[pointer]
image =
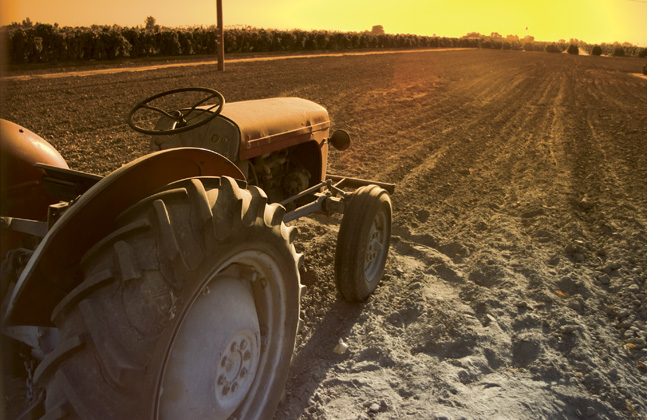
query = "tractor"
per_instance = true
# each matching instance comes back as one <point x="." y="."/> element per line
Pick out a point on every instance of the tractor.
<point x="170" y="288"/>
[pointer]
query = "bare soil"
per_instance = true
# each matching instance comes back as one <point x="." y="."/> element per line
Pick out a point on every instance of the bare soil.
<point x="515" y="285"/>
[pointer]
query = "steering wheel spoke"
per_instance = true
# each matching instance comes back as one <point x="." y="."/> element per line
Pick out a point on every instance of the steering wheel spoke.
<point x="194" y="107"/>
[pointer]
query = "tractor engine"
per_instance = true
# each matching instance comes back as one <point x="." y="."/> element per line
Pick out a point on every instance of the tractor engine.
<point x="279" y="174"/>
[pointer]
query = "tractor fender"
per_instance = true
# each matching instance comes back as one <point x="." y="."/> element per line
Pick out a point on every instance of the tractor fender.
<point x="22" y="194"/>
<point x="52" y="271"/>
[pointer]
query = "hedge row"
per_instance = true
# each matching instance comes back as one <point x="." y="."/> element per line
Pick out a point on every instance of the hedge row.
<point x="617" y="50"/>
<point x="50" y="43"/>
<point x="46" y="43"/>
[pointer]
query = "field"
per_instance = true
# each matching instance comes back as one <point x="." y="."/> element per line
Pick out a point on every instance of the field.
<point x="516" y="282"/>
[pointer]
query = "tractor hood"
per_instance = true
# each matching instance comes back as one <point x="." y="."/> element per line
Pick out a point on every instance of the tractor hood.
<point x="266" y="125"/>
<point x="248" y="129"/>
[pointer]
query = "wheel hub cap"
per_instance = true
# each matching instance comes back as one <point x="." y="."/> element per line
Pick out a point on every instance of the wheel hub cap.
<point x="376" y="241"/>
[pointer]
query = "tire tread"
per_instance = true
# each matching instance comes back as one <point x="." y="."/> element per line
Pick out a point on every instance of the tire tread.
<point x="101" y="351"/>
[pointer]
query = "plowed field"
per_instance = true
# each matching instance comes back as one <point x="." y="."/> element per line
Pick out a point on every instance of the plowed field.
<point x="516" y="281"/>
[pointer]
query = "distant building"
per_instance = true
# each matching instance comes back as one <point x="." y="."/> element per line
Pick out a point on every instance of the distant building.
<point x="377" y="30"/>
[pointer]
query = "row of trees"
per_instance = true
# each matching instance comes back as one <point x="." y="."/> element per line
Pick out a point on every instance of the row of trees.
<point x="615" y="50"/>
<point x="572" y="46"/>
<point x="50" y="43"/>
<point x="38" y="43"/>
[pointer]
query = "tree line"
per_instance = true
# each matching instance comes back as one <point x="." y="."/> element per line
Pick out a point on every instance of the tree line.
<point x="572" y="46"/>
<point x="45" y="43"/>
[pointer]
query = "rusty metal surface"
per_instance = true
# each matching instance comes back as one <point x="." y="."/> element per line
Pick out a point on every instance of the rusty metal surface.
<point x="271" y="124"/>
<point x="52" y="271"/>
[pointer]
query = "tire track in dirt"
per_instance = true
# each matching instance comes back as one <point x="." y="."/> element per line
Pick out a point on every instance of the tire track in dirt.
<point x="607" y="173"/>
<point x="480" y="141"/>
<point x="444" y="116"/>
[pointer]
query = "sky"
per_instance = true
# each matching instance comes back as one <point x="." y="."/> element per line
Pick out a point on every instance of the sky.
<point x="593" y="21"/>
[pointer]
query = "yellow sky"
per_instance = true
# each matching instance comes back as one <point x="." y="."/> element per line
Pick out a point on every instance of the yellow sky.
<point x="594" y="21"/>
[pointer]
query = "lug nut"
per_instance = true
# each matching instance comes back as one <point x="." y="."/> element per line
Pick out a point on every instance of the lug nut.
<point x="243" y="373"/>
<point x="224" y="361"/>
<point x="233" y="347"/>
<point x="247" y="356"/>
<point x="234" y="387"/>
<point x="243" y="344"/>
<point x="222" y="380"/>
<point x="225" y="390"/>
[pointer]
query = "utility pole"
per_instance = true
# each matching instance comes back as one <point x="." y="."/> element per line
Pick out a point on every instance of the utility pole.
<point x="220" y="35"/>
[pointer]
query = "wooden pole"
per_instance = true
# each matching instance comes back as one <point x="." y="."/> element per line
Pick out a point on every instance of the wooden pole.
<point x="220" y="36"/>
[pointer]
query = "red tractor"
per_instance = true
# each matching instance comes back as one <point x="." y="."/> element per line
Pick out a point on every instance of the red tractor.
<point x="170" y="288"/>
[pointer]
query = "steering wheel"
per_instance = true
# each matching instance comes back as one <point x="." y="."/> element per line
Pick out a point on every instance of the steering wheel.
<point x="184" y="119"/>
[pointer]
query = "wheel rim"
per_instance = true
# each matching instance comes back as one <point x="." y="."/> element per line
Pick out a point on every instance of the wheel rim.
<point x="223" y="371"/>
<point x="376" y="248"/>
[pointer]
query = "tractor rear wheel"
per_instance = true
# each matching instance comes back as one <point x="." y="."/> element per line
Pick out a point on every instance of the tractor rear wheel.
<point x="189" y="309"/>
<point x="363" y="243"/>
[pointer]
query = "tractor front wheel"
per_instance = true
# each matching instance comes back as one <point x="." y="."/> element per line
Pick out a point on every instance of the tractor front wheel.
<point x="189" y="309"/>
<point x="363" y="243"/>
